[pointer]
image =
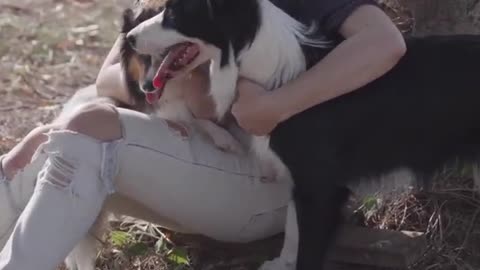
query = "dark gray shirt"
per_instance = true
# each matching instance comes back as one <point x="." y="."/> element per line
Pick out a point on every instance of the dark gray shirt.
<point x="329" y="14"/>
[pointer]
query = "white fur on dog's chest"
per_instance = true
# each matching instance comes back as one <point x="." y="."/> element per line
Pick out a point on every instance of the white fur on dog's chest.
<point x="275" y="56"/>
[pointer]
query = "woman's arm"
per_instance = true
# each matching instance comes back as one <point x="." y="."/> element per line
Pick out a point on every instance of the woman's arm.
<point x="110" y="80"/>
<point x="372" y="46"/>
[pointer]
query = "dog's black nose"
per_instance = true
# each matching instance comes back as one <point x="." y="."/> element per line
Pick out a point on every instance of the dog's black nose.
<point x="131" y="40"/>
<point x="148" y="86"/>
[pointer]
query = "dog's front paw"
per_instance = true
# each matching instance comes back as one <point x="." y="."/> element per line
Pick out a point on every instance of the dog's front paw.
<point x="220" y="137"/>
<point x="277" y="264"/>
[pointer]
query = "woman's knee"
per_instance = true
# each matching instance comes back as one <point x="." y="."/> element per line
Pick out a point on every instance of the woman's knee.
<point x="96" y="120"/>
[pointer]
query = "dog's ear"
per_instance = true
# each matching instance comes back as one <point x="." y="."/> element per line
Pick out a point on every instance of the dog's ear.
<point x="133" y="68"/>
<point x="128" y="20"/>
<point x="216" y="7"/>
<point x="132" y="65"/>
<point x="233" y="24"/>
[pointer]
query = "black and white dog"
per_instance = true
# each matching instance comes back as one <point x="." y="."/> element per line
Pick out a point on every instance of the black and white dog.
<point x="168" y="103"/>
<point x="419" y="116"/>
<point x="211" y="40"/>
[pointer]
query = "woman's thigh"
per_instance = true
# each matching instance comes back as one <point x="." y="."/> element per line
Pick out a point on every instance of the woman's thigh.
<point x="174" y="171"/>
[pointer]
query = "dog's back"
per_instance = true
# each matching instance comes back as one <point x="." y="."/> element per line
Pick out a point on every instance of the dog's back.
<point x="419" y="116"/>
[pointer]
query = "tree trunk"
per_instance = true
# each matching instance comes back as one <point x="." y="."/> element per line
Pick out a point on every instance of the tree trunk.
<point x="443" y="16"/>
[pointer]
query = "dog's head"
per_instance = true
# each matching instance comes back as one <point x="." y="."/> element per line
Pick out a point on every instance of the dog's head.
<point x="139" y="69"/>
<point x="188" y="33"/>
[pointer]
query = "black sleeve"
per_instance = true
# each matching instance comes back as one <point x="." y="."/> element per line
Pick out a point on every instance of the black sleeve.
<point x="330" y="14"/>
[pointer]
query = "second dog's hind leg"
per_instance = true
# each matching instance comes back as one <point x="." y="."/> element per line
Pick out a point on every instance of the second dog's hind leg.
<point x="84" y="255"/>
<point x="288" y="256"/>
<point x="319" y="216"/>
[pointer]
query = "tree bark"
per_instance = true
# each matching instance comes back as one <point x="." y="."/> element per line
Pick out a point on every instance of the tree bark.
<point x="443" y="16"/>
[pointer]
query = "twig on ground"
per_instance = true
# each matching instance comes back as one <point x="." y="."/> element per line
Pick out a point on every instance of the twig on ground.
<point x="16" y="9"/>
<point x="16" y="107"/>
<point x="35" y="90"/>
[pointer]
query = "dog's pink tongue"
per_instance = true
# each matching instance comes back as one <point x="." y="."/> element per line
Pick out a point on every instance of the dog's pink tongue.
<point x="163" y="73"/>
<point x="159" y="83"/>
<point x="152" y="97"/>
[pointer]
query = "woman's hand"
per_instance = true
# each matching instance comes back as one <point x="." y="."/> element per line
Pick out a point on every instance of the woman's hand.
<point x="254" y="109"/>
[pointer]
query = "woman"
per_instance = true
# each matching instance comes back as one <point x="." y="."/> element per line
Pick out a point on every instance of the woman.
<point x="101" y="150"/>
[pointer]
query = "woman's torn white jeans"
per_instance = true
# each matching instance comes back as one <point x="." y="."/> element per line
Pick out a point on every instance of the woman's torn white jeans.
<point x="67" y="199"/>
<point x="167" y="168"/>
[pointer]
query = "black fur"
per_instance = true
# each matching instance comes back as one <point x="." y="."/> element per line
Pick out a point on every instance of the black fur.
<point x="422" y="114"/>
<point x="217" y="22"/>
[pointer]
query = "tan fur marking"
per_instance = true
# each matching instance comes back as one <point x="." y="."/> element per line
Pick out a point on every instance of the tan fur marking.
<point x="136" y="68"/>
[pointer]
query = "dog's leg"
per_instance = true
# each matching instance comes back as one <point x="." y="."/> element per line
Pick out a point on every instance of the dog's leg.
<point x="476" y="176"/>
<point x="318" y="174"/>
<point x="223" y="83"/>
<point x="220" y="137"/>
<point x="319" y="216"/>
<point x="84" y="254"/>
<point x="288" y="256"/>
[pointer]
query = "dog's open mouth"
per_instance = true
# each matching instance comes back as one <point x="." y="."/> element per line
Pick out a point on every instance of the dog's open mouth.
<point x="177" y="57"/>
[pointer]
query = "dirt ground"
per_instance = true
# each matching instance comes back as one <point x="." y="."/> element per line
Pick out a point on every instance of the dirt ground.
<point x="51" y="48"/>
